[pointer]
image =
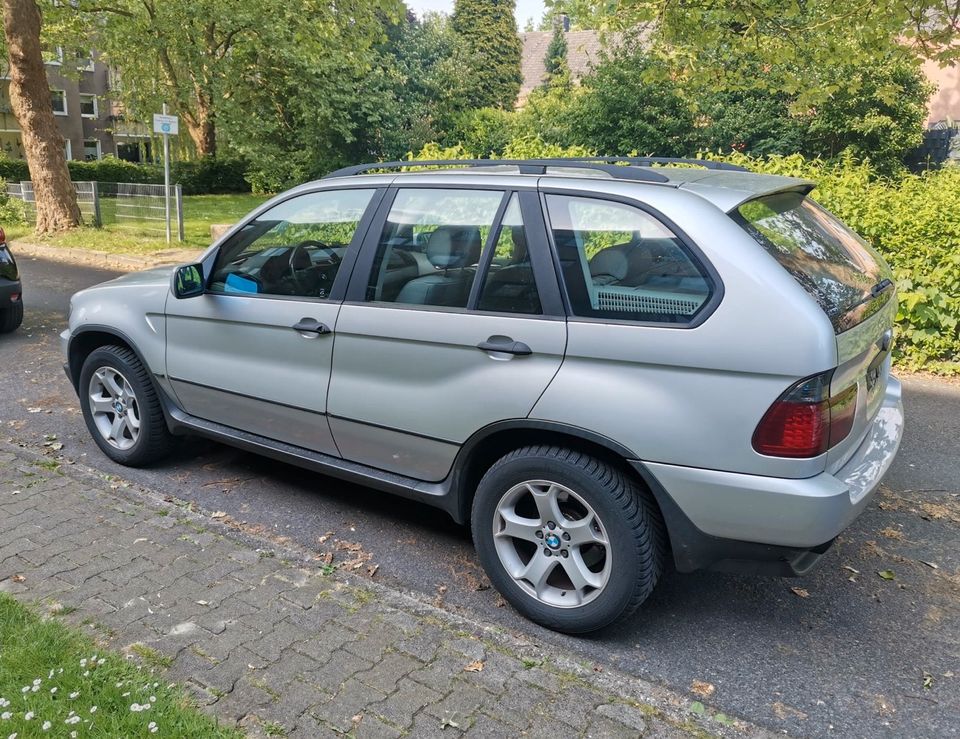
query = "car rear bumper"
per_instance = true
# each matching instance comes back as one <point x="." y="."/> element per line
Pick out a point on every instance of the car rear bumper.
<point x="9" y="288"/>
<point x="779" y="516"/>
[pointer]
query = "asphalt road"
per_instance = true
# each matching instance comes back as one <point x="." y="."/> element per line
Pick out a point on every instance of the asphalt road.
<point x="846" y="654"/>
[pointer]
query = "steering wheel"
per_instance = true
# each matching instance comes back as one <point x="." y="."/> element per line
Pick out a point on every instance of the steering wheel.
<point x="331" y="254"/>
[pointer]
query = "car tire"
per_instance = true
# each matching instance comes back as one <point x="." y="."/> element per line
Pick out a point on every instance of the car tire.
<point x="589" y="584"/>
<point x="11" y="317"/>
<point x="133" y="433"/>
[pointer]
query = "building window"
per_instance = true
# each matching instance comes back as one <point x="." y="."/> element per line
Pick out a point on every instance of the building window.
<point x="91" y="149"/>
<point x="88" y="105"/>
<point x="59" y="100"/>
<point x="84" y="61"/>
<point x="53" y="56"/>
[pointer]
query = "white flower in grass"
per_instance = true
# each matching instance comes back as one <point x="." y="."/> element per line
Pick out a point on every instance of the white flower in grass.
<point x="73" y="735"/>
<point x="53" y="691"/>
<point x="13" y="736"/>
<point x="35" y="688"/>
<point x="83" y="662"/>
<point x="153" y="727"/>
<point x="93" y="709"/>
<point x="28" y="715"/>
<point x="153" y="699"/>
<point x="50" y="676"/>
<point x="74" y="695"/>
<point x="4" y="703"/>
<point x="72" y="720"/>
<point x="36" y="683"/>
<point x="5" y="715"/>
<point x="25" y="689"/>
<point x="46" y="726"/>
<point x="125" y="695"/>
<point x="87" y="673"/>
<point x="101" y="661"/>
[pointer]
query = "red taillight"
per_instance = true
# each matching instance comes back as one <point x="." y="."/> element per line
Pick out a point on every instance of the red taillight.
<point x="806" y="420"/>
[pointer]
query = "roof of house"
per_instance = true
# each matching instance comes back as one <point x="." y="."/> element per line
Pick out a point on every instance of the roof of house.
<point x="583" y="50"/>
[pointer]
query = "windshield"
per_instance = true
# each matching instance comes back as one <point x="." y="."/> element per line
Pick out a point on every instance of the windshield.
<point x="838" y="268"/>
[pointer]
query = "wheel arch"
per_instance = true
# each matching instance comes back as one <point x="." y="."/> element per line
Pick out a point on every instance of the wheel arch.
<point x="88" y="338"/>
<point x="489" y="444"/>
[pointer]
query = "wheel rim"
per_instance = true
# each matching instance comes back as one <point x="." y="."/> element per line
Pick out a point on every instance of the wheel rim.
<point x="114" y="408"/>
<point x="552" y="543"/>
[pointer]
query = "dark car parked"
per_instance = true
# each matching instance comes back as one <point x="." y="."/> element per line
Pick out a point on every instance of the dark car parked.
<point x="11" y="292"/>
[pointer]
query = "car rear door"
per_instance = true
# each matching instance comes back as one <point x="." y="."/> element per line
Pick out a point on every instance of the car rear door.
<point x="452" y="322"/>
<point x="254" y="351"/>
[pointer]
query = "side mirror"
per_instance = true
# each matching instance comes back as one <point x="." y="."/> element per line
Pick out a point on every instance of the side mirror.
<point x="188" y="281"/>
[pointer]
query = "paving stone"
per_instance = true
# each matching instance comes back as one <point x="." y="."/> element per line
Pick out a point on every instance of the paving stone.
<point x="351" y="699"/>
<point x="485" y="728"/>
<point x="405" y="702"/>
<point x="605" y="728"/>
<point x="385" y="674"/>
<point x="629" y="715"/>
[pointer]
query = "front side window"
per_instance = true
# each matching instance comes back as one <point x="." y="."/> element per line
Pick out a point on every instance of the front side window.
<point x="430" y="246"/>
<point x="619" y="262"/>
<point x="293" y="249"/>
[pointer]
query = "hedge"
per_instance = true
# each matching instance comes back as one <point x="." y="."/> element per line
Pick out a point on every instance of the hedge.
<point x="198" y="177"/>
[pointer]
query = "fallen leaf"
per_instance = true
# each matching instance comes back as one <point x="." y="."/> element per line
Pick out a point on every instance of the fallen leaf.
<point x="445" y="722"/>
<point x="18" y="578"/>
<point x="927" y="680"/>
<point x="372" y="570"/>
<point x="323" y="539"/>
<point x="219" y="514"/>
<point x="703" y="689"/>
<point x="851" y="569"/>
<point x="475" y="666"/>
<point x="887" y="574"/>
<point x="932" y="565"/>
<point x="800" y="592"/>
<point x="202" y="603"/>
<point x="34" y="410"/>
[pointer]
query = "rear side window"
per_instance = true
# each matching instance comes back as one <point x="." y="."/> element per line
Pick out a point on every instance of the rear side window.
<point x="619" y="262"/>
<point x="834" y="265"/>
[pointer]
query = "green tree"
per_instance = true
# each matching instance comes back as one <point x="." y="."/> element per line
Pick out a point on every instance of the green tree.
<point x="556" y="58"/>
<point x="200" y="55"/>
<point x="705" y="40"/>
<point x="628" y="104"/>
<point x="488" y="31"/>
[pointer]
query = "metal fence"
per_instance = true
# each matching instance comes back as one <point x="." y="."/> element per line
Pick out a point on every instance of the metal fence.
<point x="125" y="205"/>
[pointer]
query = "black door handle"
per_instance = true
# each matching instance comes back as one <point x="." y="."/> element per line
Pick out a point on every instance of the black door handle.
<point x="505" y="345"/>
<point x="311" y="326"/>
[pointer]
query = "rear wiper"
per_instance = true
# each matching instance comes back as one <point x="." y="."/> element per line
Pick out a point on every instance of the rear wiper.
<point x="880" y="287"/>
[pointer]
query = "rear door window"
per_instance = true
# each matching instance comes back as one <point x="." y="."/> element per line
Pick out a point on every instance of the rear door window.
<point x="832" y="263"/>
<point x="619" y="262"/>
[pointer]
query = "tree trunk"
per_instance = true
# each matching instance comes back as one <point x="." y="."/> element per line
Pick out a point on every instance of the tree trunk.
<point x="202" y="128"/>
<point x="56" y="199"/>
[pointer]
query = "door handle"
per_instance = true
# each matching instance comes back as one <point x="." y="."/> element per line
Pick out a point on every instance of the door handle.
<point x="505" y="345"/>
<point x="311" y="326"/>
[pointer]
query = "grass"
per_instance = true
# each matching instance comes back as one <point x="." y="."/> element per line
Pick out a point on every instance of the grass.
<point x="199" y="212"/>
<point x="52" y="673"/>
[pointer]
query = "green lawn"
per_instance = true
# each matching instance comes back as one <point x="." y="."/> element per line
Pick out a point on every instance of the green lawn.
<point x="199" y="212"/>
<point x="54" y="681"/>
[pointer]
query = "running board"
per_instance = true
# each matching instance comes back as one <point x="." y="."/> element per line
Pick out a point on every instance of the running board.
<point x="436" y="494"/>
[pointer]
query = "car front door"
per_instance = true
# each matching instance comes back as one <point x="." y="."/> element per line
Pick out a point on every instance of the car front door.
<point x="254" y="351"/>
<point x="452" y="322"/>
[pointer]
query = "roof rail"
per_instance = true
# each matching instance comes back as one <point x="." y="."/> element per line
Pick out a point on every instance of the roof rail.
<point x="526" y="166"/>
<point x="611" y="165"/>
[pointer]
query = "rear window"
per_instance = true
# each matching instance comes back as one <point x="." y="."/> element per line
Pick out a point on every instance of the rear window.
<point x="830" y="261"/>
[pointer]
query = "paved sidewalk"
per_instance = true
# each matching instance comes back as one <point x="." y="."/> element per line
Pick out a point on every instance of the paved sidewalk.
<point x="281" y="642"/>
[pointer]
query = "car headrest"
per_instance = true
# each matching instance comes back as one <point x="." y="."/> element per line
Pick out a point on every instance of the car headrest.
<point x="611" y="262"/>
<point x="450" y="247"/>
<point x="520" y="253"/>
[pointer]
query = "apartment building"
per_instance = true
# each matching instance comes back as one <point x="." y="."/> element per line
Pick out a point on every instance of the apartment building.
<point x="92" y="125"/>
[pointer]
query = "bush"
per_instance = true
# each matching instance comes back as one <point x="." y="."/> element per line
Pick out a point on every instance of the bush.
<point x="111" y="169"/>
<point x="211" y="176"/>
<point x="13" y="170"/>
<point x="12" y="210"/>
<point x="912" y="220"/>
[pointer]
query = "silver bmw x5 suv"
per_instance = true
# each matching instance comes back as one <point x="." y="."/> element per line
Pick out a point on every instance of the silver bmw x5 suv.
<point x="597" y="364"/>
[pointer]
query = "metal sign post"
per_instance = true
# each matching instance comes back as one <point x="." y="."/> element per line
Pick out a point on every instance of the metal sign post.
<point x="167" y="125"/>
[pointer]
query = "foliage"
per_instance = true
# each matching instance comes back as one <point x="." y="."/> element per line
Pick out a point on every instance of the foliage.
<point x="12" y="211"/>
<point x="14" y="170"/>
<point x="803" y="49"/>
<point x="488" y="32"/>
<point x="752" y="121"/>
<point x="209" y="175"/>
<point x="627" y="106"/>
<point x="55" y="680"/>
<point x="418" y="86"/>
<point x="556" y="58"/>
<point x="485" y="131"/>
<point x="912" y="221"/>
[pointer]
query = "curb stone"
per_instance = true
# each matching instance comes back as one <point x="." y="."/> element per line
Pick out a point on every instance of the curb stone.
<point x="103" y="259"/>
<point x="634" y="705"/>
